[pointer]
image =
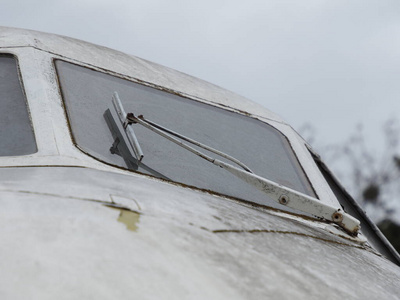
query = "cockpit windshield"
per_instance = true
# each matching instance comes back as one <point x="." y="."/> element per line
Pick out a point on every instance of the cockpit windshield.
<point x="87" y="96"/>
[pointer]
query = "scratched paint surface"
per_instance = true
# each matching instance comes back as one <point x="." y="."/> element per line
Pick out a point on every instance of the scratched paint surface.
<point x="185" y="244"/>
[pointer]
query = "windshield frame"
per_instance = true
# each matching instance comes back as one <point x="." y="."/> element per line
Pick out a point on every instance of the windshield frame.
<point x="273" y="124"/>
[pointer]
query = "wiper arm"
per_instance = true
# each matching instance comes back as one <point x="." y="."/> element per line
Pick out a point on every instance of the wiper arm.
<point x="168" y="134"/>
<point x="296" y="200"/>
<point x="277" y="192"/>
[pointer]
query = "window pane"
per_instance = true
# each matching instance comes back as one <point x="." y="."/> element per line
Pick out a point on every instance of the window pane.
<point x="87" y="94"/>
<point x="16" y="134"/>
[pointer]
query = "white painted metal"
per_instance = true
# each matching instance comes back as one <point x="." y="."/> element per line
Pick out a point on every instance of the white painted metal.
<point x="74" y="228"/>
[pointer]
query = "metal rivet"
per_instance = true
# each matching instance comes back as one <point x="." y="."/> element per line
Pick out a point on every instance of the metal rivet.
<point x="284" y="199"/>
<point x="337" y="217"/>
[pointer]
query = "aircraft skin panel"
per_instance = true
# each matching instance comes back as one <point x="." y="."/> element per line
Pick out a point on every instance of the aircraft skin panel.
<point x="69" y="239"/>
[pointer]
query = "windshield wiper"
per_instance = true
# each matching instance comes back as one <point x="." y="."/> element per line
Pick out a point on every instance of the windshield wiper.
<point x="168" y="134"/>
<point x="125" y="142"/>
<point x="279" y="193"/>
<point x="129" y="130"/>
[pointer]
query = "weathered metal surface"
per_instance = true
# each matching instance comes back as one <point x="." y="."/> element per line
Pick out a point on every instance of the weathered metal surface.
<point x="176" y="244"/>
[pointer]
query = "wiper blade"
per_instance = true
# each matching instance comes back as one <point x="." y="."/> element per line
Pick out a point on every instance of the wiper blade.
<point x="128" y="129"/>
<point x="125" y="142"/>
<point x="281" y="194"/>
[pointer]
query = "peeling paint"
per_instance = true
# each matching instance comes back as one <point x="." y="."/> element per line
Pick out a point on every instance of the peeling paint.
<point x="126" y="216"/>
<point x="130" y="219"/>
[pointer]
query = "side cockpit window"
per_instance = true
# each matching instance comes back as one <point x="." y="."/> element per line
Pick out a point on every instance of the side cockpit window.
<point x="16" y="133"/>
<point x="88" y="96"/>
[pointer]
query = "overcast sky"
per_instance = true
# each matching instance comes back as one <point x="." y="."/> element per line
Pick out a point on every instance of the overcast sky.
<point x="329" y="63"/>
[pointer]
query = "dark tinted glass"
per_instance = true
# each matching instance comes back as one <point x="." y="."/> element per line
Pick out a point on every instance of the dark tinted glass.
<point x="87" y="94"/>
<point x="16" y="134"/>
